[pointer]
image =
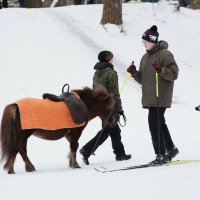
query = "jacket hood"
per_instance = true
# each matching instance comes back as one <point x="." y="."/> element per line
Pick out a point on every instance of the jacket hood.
<point x="102" y="65"/>
<point x="160" y="45"/>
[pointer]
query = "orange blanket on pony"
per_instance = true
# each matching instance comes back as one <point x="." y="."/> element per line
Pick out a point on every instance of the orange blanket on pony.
<point x="45" y="114"/>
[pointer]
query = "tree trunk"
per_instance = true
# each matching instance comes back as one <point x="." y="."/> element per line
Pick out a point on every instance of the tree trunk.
<point x="193" y="4"/>
<point x="112" y="12"/>
<point x="47" y="3"/>
<point x="78" y="2"/>
<point x="34" y="3"/>
<point x="61" y="3"/>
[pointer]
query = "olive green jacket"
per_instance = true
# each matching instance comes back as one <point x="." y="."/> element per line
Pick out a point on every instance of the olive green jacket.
<point x="105" y="75"/>
<point x="146" y="76"/>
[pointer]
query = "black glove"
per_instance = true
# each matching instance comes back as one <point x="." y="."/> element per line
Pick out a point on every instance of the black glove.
<point x="157" y="66"/>
<point x="132" y="70"/>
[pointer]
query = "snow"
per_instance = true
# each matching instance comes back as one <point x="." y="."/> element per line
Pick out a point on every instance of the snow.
<point x="42" y="49"/>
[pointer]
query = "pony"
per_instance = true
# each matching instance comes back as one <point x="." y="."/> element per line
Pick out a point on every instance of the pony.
<point x="13" y="139"/>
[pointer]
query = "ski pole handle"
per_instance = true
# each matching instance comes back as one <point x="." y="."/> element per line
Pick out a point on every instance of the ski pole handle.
<point x="157" y="92"/>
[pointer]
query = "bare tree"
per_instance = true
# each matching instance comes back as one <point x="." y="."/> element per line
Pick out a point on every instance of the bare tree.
<point x="112" y="12"/>
<point x="34" y="3"/>
<point x="78" y="2"/>
<point x="194" y="4"/>
<point x="47" y="3"/>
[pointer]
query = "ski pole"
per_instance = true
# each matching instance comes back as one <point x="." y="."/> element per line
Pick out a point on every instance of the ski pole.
<point x="128" y="75"/>
<point x="158" y="115"/>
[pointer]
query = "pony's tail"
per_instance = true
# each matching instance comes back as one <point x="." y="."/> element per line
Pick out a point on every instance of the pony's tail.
<point x="8" y="133"/>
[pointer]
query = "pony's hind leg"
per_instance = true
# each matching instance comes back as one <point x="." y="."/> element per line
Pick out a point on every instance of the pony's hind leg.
<point x="9" y="165"/>
<point x="28" y="165"/>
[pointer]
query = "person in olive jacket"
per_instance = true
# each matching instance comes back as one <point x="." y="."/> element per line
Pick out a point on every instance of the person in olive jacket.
<point x="106" y="76"/>
<point x="157" y="59"/>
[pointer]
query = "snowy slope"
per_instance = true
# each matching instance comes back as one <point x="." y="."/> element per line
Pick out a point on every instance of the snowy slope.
<point x="41" y="49"/>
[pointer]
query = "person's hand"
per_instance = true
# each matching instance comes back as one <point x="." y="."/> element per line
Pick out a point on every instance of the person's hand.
<point x="121" y="113"/>
<point x="157" y="66"/>
<point x="132" y="70"/>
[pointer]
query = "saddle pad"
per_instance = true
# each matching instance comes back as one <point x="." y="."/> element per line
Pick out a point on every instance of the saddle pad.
<point x="45" y="114"/>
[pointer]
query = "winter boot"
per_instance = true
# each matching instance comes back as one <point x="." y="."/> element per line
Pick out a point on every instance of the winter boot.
<point x="160" y="159"/>
<point x="172" y="153"/>
<point x="123" y="157"/>
<point x="85" y="156"/>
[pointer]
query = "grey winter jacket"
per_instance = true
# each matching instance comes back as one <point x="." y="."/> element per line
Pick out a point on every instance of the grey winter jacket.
<point x="146" y="76"/>
<point x="105" y="75"/>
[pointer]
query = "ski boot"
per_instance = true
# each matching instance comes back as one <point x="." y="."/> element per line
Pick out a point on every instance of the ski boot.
<point x="85" y="156"/>
<point x="172" y="153"/>
<point x="160" y="159"/>
<point x="123" y="157"/>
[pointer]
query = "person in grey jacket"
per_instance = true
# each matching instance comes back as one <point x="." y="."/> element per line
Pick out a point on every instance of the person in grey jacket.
<point x="157" y="59"/>
<point x="106" y="76"/>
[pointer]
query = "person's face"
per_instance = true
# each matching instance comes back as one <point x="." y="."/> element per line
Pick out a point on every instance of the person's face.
<point x="111" y="61"/>
<point x="148" y="45"/>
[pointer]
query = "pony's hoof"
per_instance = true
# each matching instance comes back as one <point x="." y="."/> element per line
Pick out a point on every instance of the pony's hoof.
<point x="76" y="166"/>
<point x="30" y="169"/>
<point x="11" y="172"/>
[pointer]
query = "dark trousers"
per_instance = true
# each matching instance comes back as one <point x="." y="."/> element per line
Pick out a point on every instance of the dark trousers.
<point x="115" y="135"/>
<point x="161" y="138"/>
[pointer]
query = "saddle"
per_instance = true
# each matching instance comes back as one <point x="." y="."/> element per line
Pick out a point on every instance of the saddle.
<point x="76" y="106"/>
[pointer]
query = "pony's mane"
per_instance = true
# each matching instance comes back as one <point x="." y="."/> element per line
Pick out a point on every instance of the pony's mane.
<point x="100" y="93"/>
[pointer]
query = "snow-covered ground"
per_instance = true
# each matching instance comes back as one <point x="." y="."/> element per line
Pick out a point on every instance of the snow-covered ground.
<point x="42" y="49"/>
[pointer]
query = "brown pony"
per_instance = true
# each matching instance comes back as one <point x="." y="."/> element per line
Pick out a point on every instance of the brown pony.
<point x="14" y="139"/>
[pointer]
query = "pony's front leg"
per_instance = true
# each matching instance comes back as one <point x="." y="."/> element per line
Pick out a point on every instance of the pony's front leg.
<point x="72" y="160"/>
<point x="73" y="137"/>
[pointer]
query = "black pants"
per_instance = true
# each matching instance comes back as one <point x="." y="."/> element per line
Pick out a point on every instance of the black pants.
<point x="161" y="138"/>
<point x="115" y="135"/>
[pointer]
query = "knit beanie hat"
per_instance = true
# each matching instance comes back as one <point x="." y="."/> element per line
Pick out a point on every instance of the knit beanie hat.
<point x="105" y="56"/>
<point x="151" y="35"/>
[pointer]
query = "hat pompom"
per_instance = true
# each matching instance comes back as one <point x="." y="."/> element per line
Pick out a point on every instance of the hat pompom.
<point x="154" y="28"/>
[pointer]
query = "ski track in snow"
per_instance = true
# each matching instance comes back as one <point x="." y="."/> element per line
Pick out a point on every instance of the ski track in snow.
<point x="73" y="26"/>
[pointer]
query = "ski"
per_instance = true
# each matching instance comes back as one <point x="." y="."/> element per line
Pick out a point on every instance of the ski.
<point x="177" y="162"/>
